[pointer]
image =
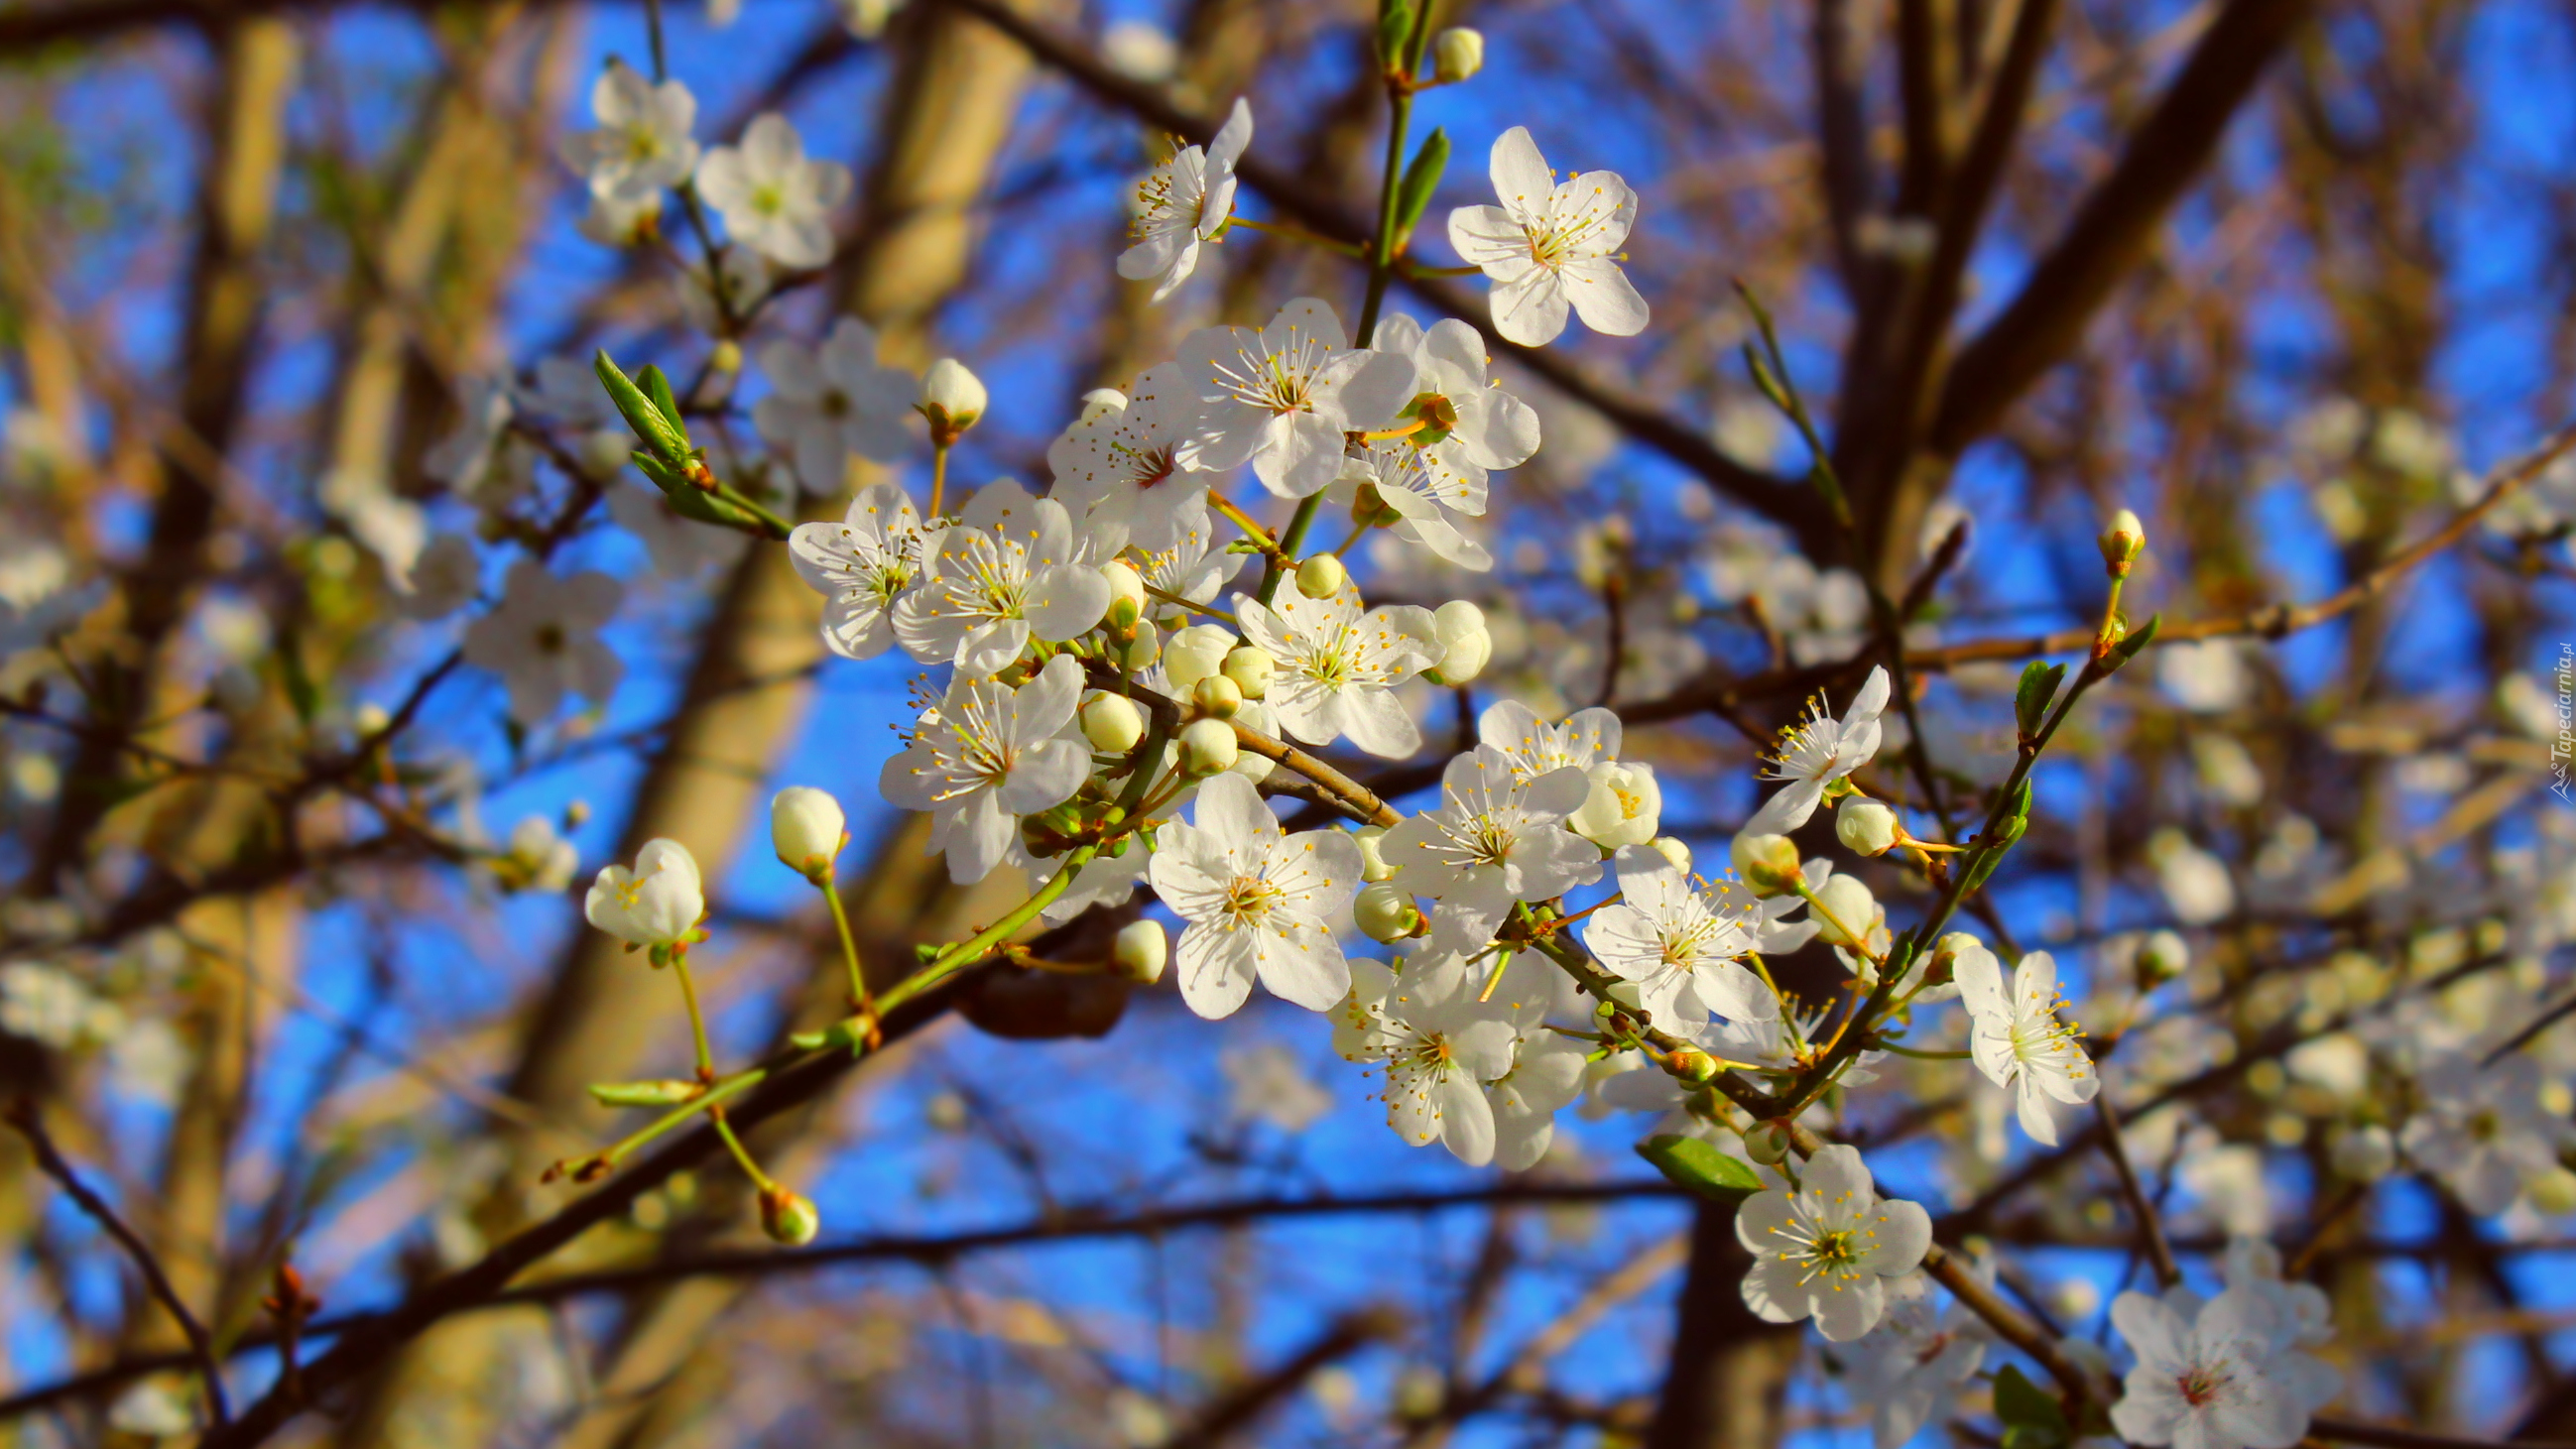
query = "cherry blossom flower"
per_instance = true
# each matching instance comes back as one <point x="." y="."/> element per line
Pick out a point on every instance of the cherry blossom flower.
<point x="1261" y="904"/>
<point x="1681" y="942"/>
<point x="1470" y="426"/>
<point x="642" y="147"/>
<point x="1534" y="747"/>
<point x="829" y="402"/>
<point x="987" y="755"/>
<point x="2306" y="1316"/>
<point x="1908" y="1368"/>
<point x="2205" y="1381"/>
<point x="1493" y="841"/>
<point x="1282" y="398"/>
<point x="1119" y="467"/>
<point x="1184" y="202"/>
<point x="1821" y="1250"/>
<point x="860" y="566"/>
<point x="1192" y="566"/>
<point x="2015" y="1035"/>
<point x="1337" y="666"/>
<point x="1005" y="574"/>
<point x="773" y="200"/>
<point x="1437" y="1045"/>
<point x="1401" y="476"/>
<point x="463" y="460"/>
<point x="543" y="640"/>
<point x="1818" y="751"/>
<point x="2482" y="1131"/>
<point x="1549" y="245"/>
<point x="657" y="903"/>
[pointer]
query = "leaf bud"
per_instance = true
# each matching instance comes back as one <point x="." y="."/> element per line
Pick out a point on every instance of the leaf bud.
<point x="1692" y="1064"/>
<point x="1112" y="723"/>
<point x="1866" y="826"/>
<point x="1208" y="747"/>
<point x="788" y="1217"/>
<point x="1250" y="667"/>
<point x="1457" y="53"/>
<point x="1140" y="952"/>
<point x="952" y="398"/>
<point x="1322" y="577"/>
<point x="2122" y="542"/>
<point x="1217" y="696"/>
<point x="1385" y="913"/>
<point x="1768" y="863"/>
<point x="808" y="829"/>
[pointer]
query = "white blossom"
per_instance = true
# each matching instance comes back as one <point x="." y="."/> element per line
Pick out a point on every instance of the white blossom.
<point x="860" y="566"/>
<point x="657" y="903"/>
<point x="1471" y="425"/>
<point x="1118" y="468"/>
<point x="1005" y="574"/>
<point x="1183" y="202"/>
<point x="2016" y="1037"/>
<point x="2195" y="883"/>
<point x="1337" y="665"/>
<point x="2204" y="1382"/>
<point x="643" y="146"/>
<point x="463" y="459"/>
<point x="544" y="641"/>
<point x="45" y="1003"/>
<point x="1533" y="747"/>
<point x="1549" y="245"/>
<point x="1401" y="476"/>
<point x="773" y="200"/>
<point x="1681" y="941"/>
<point x="1821" y="1250"/>
<point x="1818" y="751"/>
<point x="1625" y="806"/>
<point x="1270" y="1084"/>
<point x="1261" y="904"/>
<point x="987" y="755"/>
<point x="1908" y="1369"/>
<point x="2482" y="1130"/>
<point x="829" y="402"/>
<point x="1282" y="398"/>
<point x="1437" y="1045"/>
<point x="1493" y="840"/>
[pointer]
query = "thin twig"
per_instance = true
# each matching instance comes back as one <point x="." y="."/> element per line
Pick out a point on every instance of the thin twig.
<point x="2151" y="1228"/>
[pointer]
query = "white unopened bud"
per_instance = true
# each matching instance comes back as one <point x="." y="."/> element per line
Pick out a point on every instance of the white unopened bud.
<point x="1844" y="910"/>
<point x="1624" y="808"/>
<point x="1208" y="747"/>
<point x="1102" y="401"/>
<point x="1126" y="586"/>
<point x="2364" y="1154"/>
<point x="1217" y="696"/>
<point x="1456" y="54"/>
<point x="1866" y="826"/>
<point x="1250" y="667"/>
<point x="1141" y="950"/>
<point x="1373" y="866"/>
<point x="2122" y="542"/>
<point x="1465" y="644"/>
<point x="808" y="828"/>
<point x="1767" y="1142"/>
<point x="952" y="398"/>
<point x="1768" y="863"/>
<point x="1384" y="913"/>
<point x="1322" y="577"/>
<point x="1112" y="723"/>
<point x="603" y="451"/>
<point x="2161" y="958"/>
<point x="1140" y="652"/>
<point x="1673" y="850"/>
<point x="1195" y="653"/>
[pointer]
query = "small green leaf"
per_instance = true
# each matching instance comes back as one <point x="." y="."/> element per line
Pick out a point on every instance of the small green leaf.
<point x="2127" y="649"/>
<point x="2021" y="800"/>
<point x="655" y="431"/>
<point x="1421" y="178"/>
<point x="1394" y="30"/>
<point x="657" y="386"/>
<point x="2031" y="1415"/>
<point x="1693" y="1164"/>
<point x="669" y="1092"/>
<point x="2037" y="691"/>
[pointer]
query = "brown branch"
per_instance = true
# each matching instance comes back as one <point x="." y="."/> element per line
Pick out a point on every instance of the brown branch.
<point x="22" y="1116"/>
<point x="2151" y="1228"/>
<point x="1236" y="1409"/>
<point x="2353" y="1431"/>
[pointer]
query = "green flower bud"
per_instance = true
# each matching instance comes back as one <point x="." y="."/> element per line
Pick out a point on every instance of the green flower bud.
<point x="808" y="829"/>
<point x="789" y="1217"/>
<point x="1768" y="1143"/>
<point x="1217" y="696"/>
<point x="2122" y="542"/>
<point x="1384" y="913"/>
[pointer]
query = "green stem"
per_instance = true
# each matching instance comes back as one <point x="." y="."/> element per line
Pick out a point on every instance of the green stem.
<point x="722" y="1092"/>
<point x="859" y="994"/>
<point x="697" y="1018"/>
<point x="742" y="1154"/>
<point x="976" y="947"/>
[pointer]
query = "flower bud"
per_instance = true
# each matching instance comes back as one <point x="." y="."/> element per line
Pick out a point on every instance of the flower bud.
<point x="1456" y="54"/>
<point x="1373" y="866"/>
<point x="1672" y="849"/>
<point x="1140" y="652"/>
<point x="603" y="451"/>
<point x="788" y="1217"/>
<point x="725" y="358"/>
<point x="1141" y="950"/>
<point x="1385" y="913"/>
<point x="2364" y="1154"/>
<point x="1844" y="910"/>
<point x="1194" y="654"/>
<point x="2553" y="1193"/>
<point x="1250" y="667"/>
<point x="2122" y="542"/>
<point x="1768" y="1142"/>
<point x="1252" y="764"/>
<point x="1692" y="1064"/>
<point x="952" y="398"/>
<point x="1624" y="807"/>
<point x="1126" y="587"/>
<point x="2161" y="958"/>
<point x="1321" y="577"/>
<point x="808" y="828"/>
<point x="1866" y="826"/>
<point x="1465" y="645"/>
<point x="1768" y="863"/>
<point x="1208" y="747"/>
<point x="1112" y="723"/>
<point x="1217" y="697"/>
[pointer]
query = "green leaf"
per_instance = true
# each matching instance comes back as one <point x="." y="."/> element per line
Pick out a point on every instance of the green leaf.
<point x="2037" y="691"/>
<point x="2031" y="1415"/>
<point x="669" y="1092"/>
<point x="1693" y="1164"/>
<point x="658" y="387"/>
<point x="2127" y="649"/>
<point x="1421" y="178"/>
<point x="657" y="433"/>
<point x="301" y="692"/>
<point x="1394" y="31"/>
